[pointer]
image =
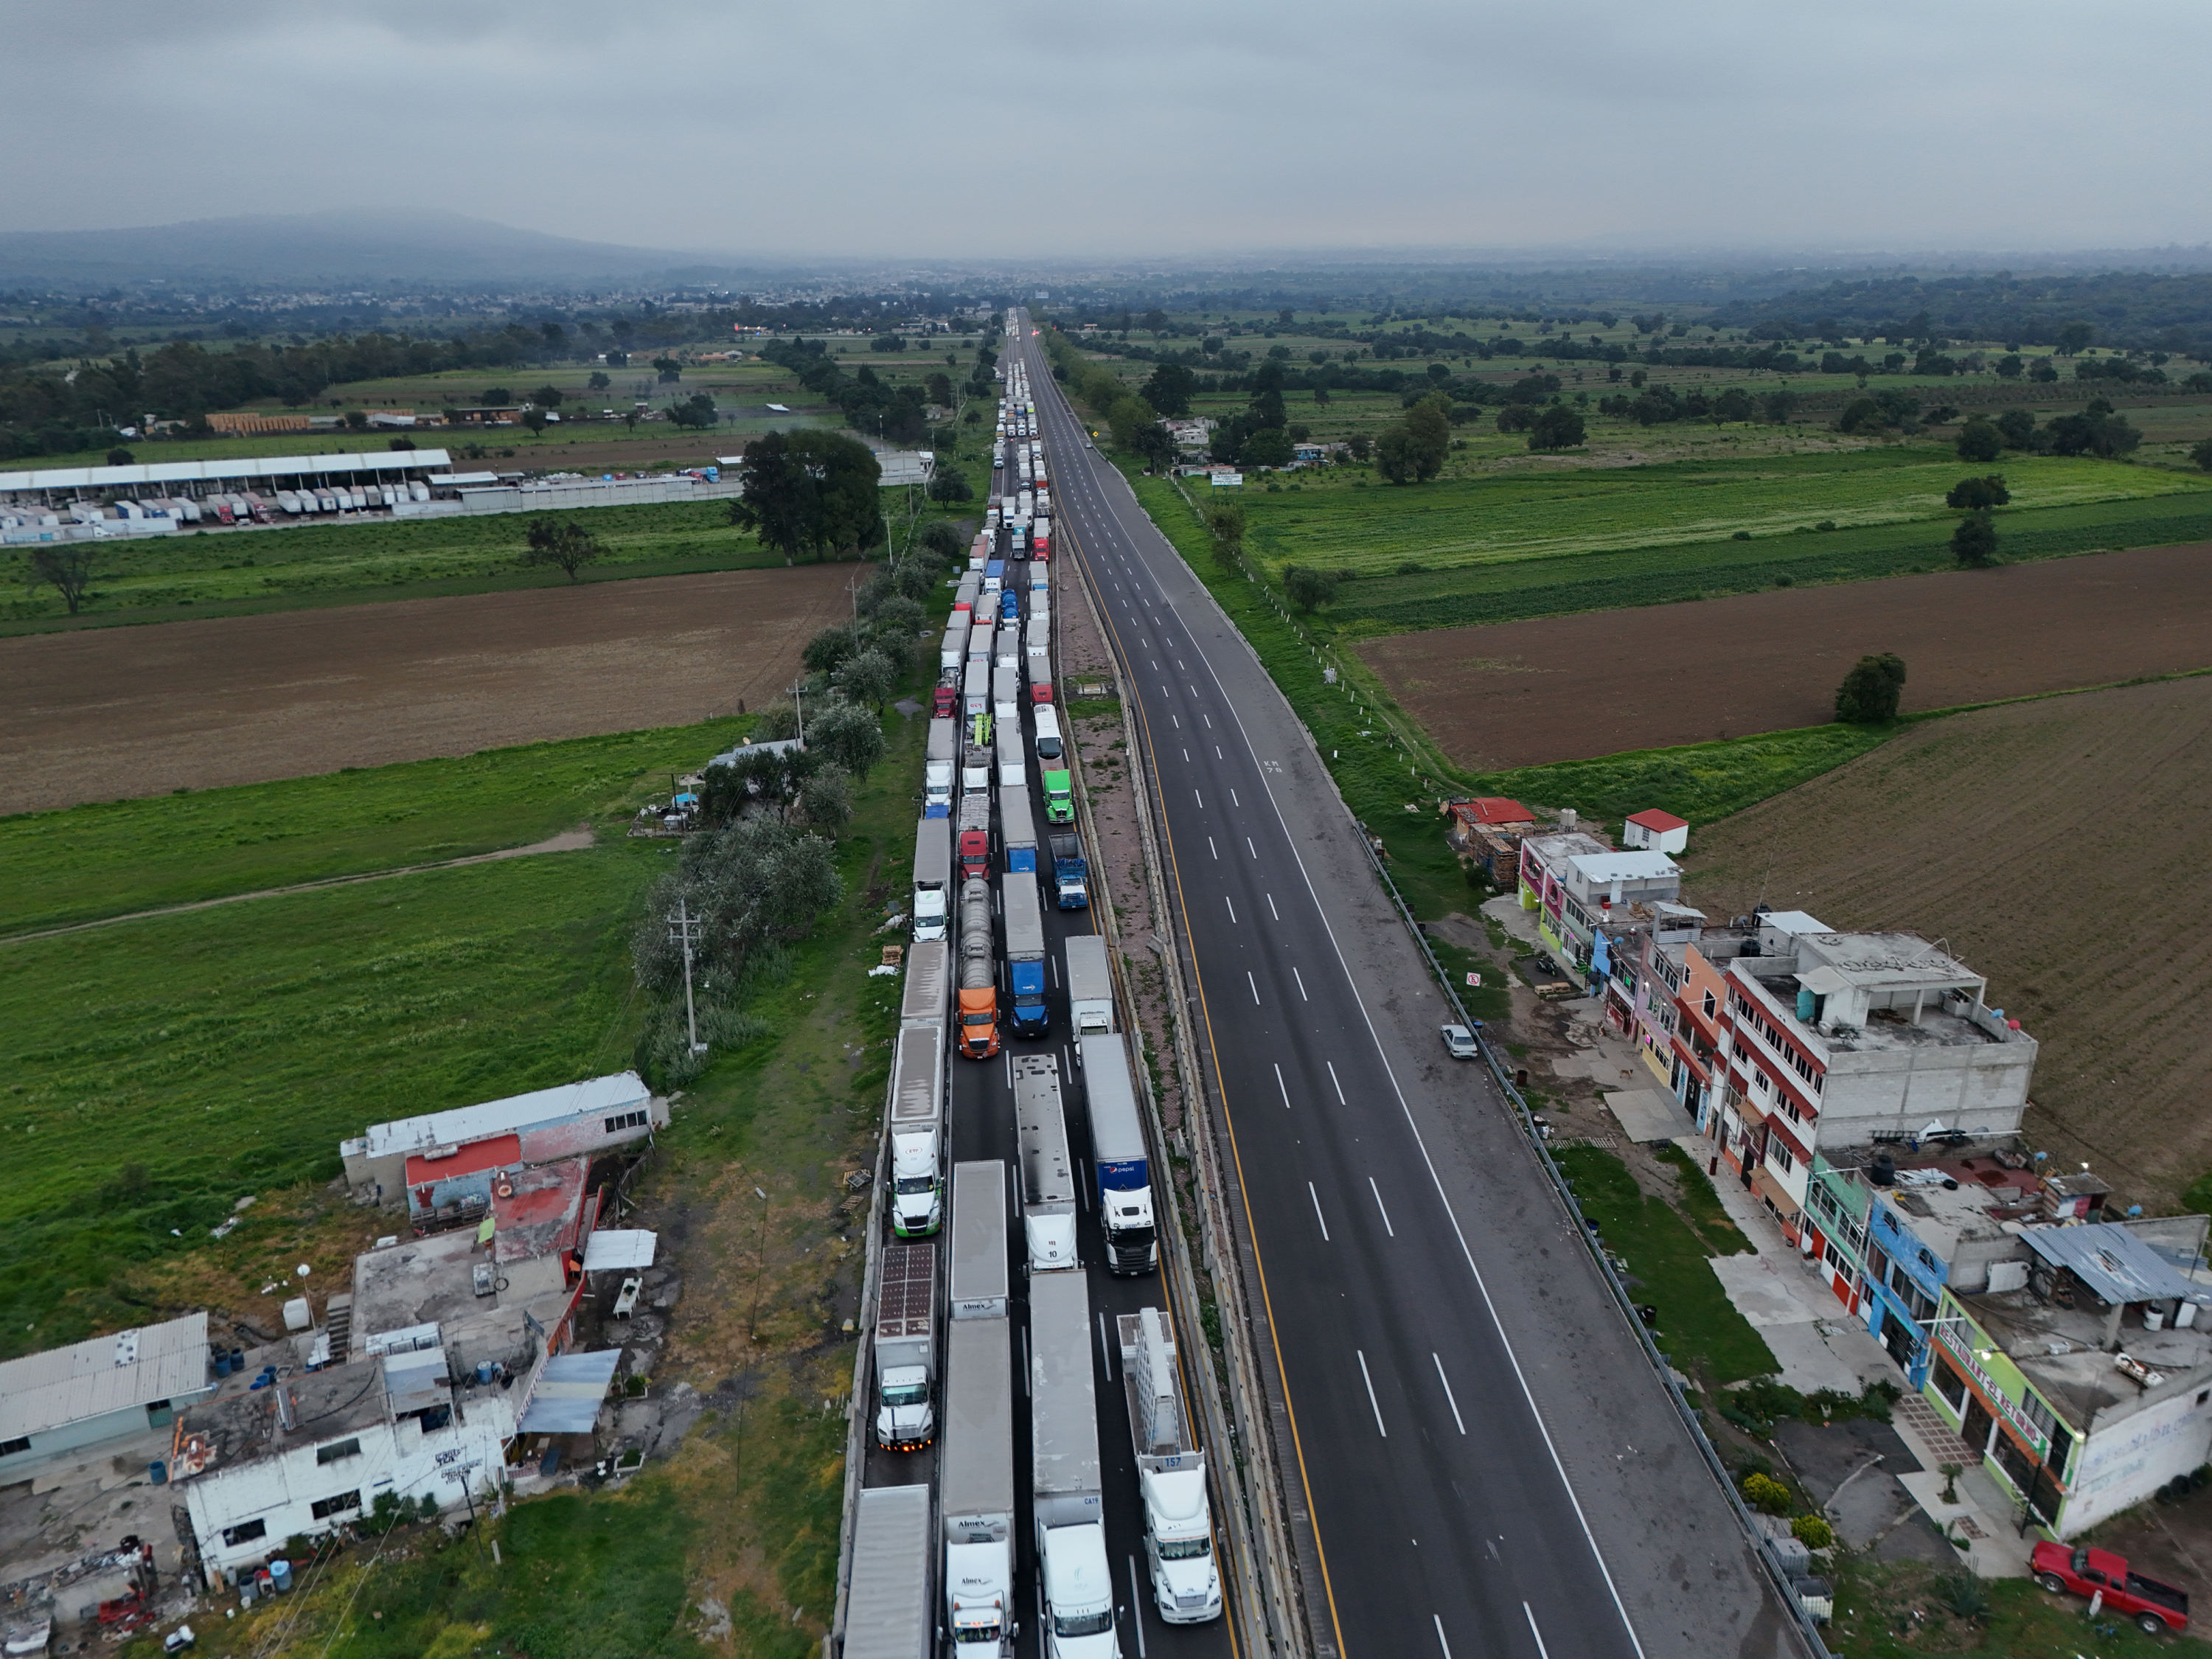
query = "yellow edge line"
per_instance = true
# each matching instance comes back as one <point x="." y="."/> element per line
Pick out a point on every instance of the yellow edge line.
<point x="1298" y="1442"/>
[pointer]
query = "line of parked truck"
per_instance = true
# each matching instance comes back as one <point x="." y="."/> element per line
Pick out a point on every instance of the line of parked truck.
<point x="937" y="1570"/>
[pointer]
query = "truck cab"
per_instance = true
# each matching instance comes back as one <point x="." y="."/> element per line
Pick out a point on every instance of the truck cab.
<point x="905" y="1420"/>
<point x="937" y="789"/>
<point x="1179" y="1545"/>
<point x="1078" y="1592"/>
<point x="978" y="1596"/>
<point x="979" y="1023"/>
<point x="943" y="700"/>
<point x="1059" y="798"/>
<point x="917" y="1189"/>
<point x="930" y="920"/>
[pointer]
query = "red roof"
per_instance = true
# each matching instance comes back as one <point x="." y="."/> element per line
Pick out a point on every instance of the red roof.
<point x="1493" y="809"/>
<point x="496" y="1153"/>
<point x="1656" y="819"/>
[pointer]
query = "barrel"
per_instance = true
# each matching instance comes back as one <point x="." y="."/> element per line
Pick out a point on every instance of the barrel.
<point x="222" y="1362"/>
<point x="279" y="1574"/>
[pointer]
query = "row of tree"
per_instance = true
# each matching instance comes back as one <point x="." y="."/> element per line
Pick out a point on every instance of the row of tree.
<point x="762" y="871"/>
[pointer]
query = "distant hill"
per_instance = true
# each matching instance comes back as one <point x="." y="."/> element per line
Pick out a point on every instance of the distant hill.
<point x="2151" y="311"/>
<point x="338" y="247"/>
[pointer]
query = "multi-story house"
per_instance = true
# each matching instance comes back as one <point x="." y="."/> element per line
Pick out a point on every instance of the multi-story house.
<point x="1578" y="886"/>
<point x="1838" y="1040"/>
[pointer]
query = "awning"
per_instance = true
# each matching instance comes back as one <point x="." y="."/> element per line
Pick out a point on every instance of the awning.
<point x="567" y="1398"/>
<point x="1763" y="1183"/>
<point x="417" y="1381"/>
<point x="614" y="1250"/>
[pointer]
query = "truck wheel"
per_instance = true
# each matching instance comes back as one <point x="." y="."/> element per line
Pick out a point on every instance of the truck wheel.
<point x="2150" y="1623"/>
<point x="2052" y="1582"/>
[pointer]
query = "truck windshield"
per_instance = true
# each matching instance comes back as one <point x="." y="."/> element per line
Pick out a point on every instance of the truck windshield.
<point x="1185" y="1549"/>
<point x="1083" y="1624"/>
<point x="976" y="1019"/>
<point x="908" y="1185"/>
<point x="976" y="1633"/>
<point x="909" y="1394"/>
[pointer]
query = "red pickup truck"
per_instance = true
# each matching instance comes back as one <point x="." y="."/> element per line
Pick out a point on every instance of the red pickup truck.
<point x="2153" y="1607"/>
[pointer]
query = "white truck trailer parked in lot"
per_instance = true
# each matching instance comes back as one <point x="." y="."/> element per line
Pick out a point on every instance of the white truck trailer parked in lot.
<point x="889" y="1610"/>
<point x="1076" y="1578"/>
<point x="1090" y="986"/>
<point x="1170" y="1473"/>
<point x="1047" y="1173"/>
<point x="975" y="1478"/>
<point x="906" y="1348"/>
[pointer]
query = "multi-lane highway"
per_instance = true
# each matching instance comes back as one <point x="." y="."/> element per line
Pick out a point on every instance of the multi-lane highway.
<point x="982" y="1126"/>
<point x="1489" y="1465"/>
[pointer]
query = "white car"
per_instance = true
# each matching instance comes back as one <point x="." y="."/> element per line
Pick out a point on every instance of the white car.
<point x="1459" y="1043"/>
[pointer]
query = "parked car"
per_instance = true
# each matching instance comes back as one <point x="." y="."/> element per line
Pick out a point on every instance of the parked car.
<point x="1459" y="1043"/>
<point x="2156" y="1607"/>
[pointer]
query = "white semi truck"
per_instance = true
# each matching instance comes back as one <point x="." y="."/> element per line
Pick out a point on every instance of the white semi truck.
<point x="1076" y="1578"/>
<point x="1090" y="986"/>
<point x="917" y="1131"/>
<point x="975" y="1478"/>
<point x="906" y="1348"/>
<point x="1170" y="1473"/>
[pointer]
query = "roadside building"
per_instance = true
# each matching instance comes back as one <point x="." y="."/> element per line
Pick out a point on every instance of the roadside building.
<point x="100" y="1392"/>
<point x="1839" y="1040"/>
<point x="1580" y="887"/>
<point x="444" y="1165"/>
<point x="1678" y="1021"/>
<point x="1485" y="832"/>
<point x="1894" y="1225"/>
<point x="2081" y="1376"/>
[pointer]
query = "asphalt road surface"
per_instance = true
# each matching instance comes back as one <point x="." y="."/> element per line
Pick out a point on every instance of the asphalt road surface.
<point x="1490" y="1466"/>
<point x="982" y="1126"/>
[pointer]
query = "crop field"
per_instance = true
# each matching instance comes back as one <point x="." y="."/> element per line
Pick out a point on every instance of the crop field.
<point x="110" y="712"/>
<point x="2028" y="837"/>
<point x="1536" y="515"/>
<point x="1569" y="688"/>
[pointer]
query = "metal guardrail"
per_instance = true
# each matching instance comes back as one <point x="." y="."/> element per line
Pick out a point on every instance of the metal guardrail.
<point x="1502" y="1075"/>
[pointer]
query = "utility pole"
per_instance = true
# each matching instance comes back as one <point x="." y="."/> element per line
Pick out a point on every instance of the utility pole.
<point x="798" y="703"/>
<point x="684" y="929"/>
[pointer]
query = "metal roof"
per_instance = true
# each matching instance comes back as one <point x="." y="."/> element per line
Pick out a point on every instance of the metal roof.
<point x="90" y="1379"/>
<point x="252" y="467"/>
<point x="622" y="1090"/>
<point x="619" y="1248"/>
<point x="567" y="1398"/>
<point x="2114" y="1263"/>
<point x="1622" y="867"/>
<point x="1653" y="819"/>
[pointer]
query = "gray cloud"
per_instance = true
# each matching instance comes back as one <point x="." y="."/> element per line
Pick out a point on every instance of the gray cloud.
<point x="981" y="128"/>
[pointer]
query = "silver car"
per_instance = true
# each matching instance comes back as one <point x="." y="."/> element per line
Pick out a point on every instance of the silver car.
<point x="1459" y="1043"/>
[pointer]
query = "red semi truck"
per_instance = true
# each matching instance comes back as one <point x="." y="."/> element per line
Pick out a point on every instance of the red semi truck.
<point x="2154" y="1607"/>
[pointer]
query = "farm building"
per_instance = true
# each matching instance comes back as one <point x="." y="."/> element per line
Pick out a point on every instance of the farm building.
<point x="1655" y="831"/>
<point x="99" y="1392"/>
<point x="448" y="1163"/>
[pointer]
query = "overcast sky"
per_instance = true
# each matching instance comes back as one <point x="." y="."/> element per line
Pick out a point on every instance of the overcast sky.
<point x="961" y="127"/>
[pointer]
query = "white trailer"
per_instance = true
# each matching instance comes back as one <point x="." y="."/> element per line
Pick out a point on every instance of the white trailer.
<point x="1090" y="986"/>
<point x="975" y="1485"/>
<point x="1068" y="1506"/>
<point x="889" y="1608"/>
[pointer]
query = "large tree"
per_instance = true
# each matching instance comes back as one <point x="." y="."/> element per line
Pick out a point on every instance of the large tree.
<point x="1871" y="691"/>
<point x="66" y="567"/>
<point x="566" y="547"/>
<point x="809" y="492"/>
<point x="1170" y="388"/>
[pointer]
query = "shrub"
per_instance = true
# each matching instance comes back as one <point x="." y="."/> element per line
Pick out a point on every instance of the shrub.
<point x="1974" y="543"/>
<point x="1871" y="691"/>
<point x="1766" y="1494"/>
<point x="1812" y="1532"/>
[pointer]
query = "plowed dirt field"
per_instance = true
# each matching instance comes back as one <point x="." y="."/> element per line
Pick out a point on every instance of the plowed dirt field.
<point x="1603" y="682"/>
<point x="113" y="712"/>
<point x="2052" y="844"/>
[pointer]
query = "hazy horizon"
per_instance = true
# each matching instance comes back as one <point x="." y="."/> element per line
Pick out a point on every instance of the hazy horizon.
<point x="1714" y="128"/>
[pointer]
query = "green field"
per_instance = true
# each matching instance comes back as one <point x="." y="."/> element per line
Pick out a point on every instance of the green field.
<point x="1539" y="515"/>
<point x="160" y="1070"/>
<point x="236" y="569"/>
<point x="114" y="858"/>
